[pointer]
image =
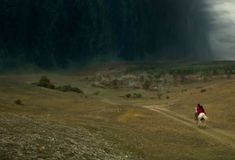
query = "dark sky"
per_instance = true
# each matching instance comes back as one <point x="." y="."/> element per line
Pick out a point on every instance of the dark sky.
<point x="57" y="32"/>
<point x="222" y="37"/>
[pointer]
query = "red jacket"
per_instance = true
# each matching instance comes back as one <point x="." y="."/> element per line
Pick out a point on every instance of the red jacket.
<point x="200" y="109"/>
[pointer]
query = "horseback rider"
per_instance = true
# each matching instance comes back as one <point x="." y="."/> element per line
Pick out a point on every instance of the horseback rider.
<point x="199" y="109"/>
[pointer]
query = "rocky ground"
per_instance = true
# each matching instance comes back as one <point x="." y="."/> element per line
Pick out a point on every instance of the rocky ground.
<point x="26" y="138"/>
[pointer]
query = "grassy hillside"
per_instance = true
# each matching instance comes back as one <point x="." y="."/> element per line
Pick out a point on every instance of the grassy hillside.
<point x="103" y="123"/>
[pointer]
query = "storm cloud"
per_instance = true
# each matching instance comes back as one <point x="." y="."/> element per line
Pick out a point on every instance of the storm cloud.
<point x="59" y="32"/>
<point x="222" y="37"/>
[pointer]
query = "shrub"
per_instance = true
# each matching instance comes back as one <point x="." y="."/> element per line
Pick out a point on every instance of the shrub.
<point x="18" y="102"/>
<point x="69" y="88"/>
<point x="215" y="72"/>
<point x="65" y="88"/>
<point x="45" y="82"/>
<point x="77" y="90"/>
<point x="137" y="95"/>
<point x="115" y="83"/>
<point x="128" y="95"/>
<point x="97" y="93"/>
<point x="134" y="95"/>
<point x="203" y="90"/>
<point x="146" y="84"/>
<point x="159" y="95"/>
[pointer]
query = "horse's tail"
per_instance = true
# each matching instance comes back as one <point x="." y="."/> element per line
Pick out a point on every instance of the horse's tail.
<point x="205" y="117"/>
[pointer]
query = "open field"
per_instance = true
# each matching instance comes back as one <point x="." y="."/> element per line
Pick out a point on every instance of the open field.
<point x="105" y="123"/>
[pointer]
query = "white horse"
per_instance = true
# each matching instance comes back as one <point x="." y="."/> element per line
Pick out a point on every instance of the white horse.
<point x="201" y="120"/>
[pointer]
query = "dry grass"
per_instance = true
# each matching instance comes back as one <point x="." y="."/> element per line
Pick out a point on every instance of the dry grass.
<point x="123" y="129"/>
<point x="129" y="115"/>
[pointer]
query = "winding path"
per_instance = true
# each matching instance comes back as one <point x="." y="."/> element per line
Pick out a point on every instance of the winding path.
<point x="219" y="135"/>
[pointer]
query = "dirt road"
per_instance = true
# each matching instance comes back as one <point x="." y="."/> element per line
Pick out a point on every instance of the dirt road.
<point x="221" y="136"/>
